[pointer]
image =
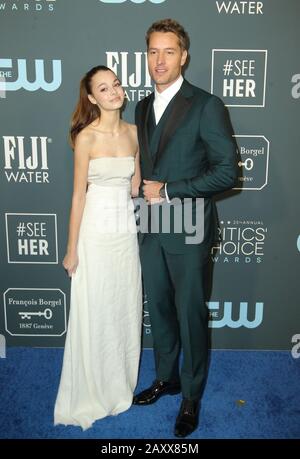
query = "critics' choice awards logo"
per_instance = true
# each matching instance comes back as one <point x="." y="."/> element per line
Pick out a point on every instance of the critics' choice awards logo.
<point x="235" y="315"/>
<point x="35" y="311"/>
<point x="254" y="161"/>
<point x="26" y="160"/>
<point x="296" y="86"/>
<point x="132" y="1"/>
<point x="239" y="7"/>
<point x="27" y="5"/>
<point x="29" y="75"/>
<point x="242" y="241"/>
<point x="31" y="238"/>
<point x="132" y="69"/>
<point x="239" y="76"/>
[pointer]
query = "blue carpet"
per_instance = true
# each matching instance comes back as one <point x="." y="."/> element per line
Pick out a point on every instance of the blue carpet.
<point x="248" y="395"/>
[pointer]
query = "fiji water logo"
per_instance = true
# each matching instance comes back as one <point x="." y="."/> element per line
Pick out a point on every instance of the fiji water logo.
<point x="240" y="7"/>
<point x="133" y="1"/>
<point x="26" y="159"/>
<point x="227" y="320"/>
<point x="132" y="68"/>
<point x="8" y="70"/>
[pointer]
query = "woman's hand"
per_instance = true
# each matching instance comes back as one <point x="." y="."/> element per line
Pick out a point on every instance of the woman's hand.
<point x="70" y="263"/>
<point x="134" y="190"/>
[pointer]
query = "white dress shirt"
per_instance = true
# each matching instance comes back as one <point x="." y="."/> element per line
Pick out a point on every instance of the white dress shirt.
<point x="161" y="101"/>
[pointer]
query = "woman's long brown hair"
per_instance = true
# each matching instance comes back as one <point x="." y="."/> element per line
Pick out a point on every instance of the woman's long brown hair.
<point x="85" y="112"/>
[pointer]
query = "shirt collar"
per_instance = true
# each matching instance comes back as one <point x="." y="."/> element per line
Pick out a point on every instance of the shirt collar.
<point x="170" y="92"/>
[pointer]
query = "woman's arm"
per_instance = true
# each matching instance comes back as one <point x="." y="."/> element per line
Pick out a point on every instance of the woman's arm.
<point x="81" y="163"/>
<point x="136" y="178"/>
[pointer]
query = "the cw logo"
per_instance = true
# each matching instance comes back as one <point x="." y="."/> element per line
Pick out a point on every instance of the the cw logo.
<point x="242" y="321"/>
<point x="22" y="81"/>
<point x="133" y="1"/>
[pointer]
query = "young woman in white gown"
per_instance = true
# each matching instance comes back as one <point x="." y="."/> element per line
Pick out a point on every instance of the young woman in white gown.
<point x="102" y="349"/>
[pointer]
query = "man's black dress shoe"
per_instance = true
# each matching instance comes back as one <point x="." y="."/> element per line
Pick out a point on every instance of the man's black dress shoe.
<point x="187" y="419"/>
<point x="154" y="392"/>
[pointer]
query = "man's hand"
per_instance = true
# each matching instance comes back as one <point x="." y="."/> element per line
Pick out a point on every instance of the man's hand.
<point x="151" y="191"/>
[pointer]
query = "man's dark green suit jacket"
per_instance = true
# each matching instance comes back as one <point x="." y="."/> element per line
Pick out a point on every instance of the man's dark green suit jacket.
<point x="196" y="156"/>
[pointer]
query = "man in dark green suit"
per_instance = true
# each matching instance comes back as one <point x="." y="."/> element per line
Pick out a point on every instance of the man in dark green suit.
<point x="187" y="155"/>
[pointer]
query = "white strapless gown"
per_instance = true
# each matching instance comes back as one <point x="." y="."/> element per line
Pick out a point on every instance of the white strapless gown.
<point x="102" y="349"/>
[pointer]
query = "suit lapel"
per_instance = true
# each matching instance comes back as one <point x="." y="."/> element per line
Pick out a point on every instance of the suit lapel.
<point x="181" y="105"/>
<point x="147" y="106"/>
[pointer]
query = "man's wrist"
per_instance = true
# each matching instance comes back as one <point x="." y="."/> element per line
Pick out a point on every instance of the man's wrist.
<point x="162" y="191"/>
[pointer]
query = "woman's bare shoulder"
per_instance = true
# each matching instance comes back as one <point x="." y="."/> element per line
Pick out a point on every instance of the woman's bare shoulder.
<point x="134" y="137"/>
<point x="85" y="138"/>
<point x="133" y="127"/>
<point x="130" y="127"/>
<point x="132" y="131"/>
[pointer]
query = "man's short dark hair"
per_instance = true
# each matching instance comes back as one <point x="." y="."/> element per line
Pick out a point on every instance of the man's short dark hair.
<point x="170" y="25"/>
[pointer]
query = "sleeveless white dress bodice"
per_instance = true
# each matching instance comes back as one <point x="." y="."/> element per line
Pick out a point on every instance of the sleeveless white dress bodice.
<point x="111" y="171"/>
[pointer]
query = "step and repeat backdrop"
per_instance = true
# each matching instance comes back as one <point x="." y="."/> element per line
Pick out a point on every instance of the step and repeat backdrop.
<point x="247" y="53"/>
